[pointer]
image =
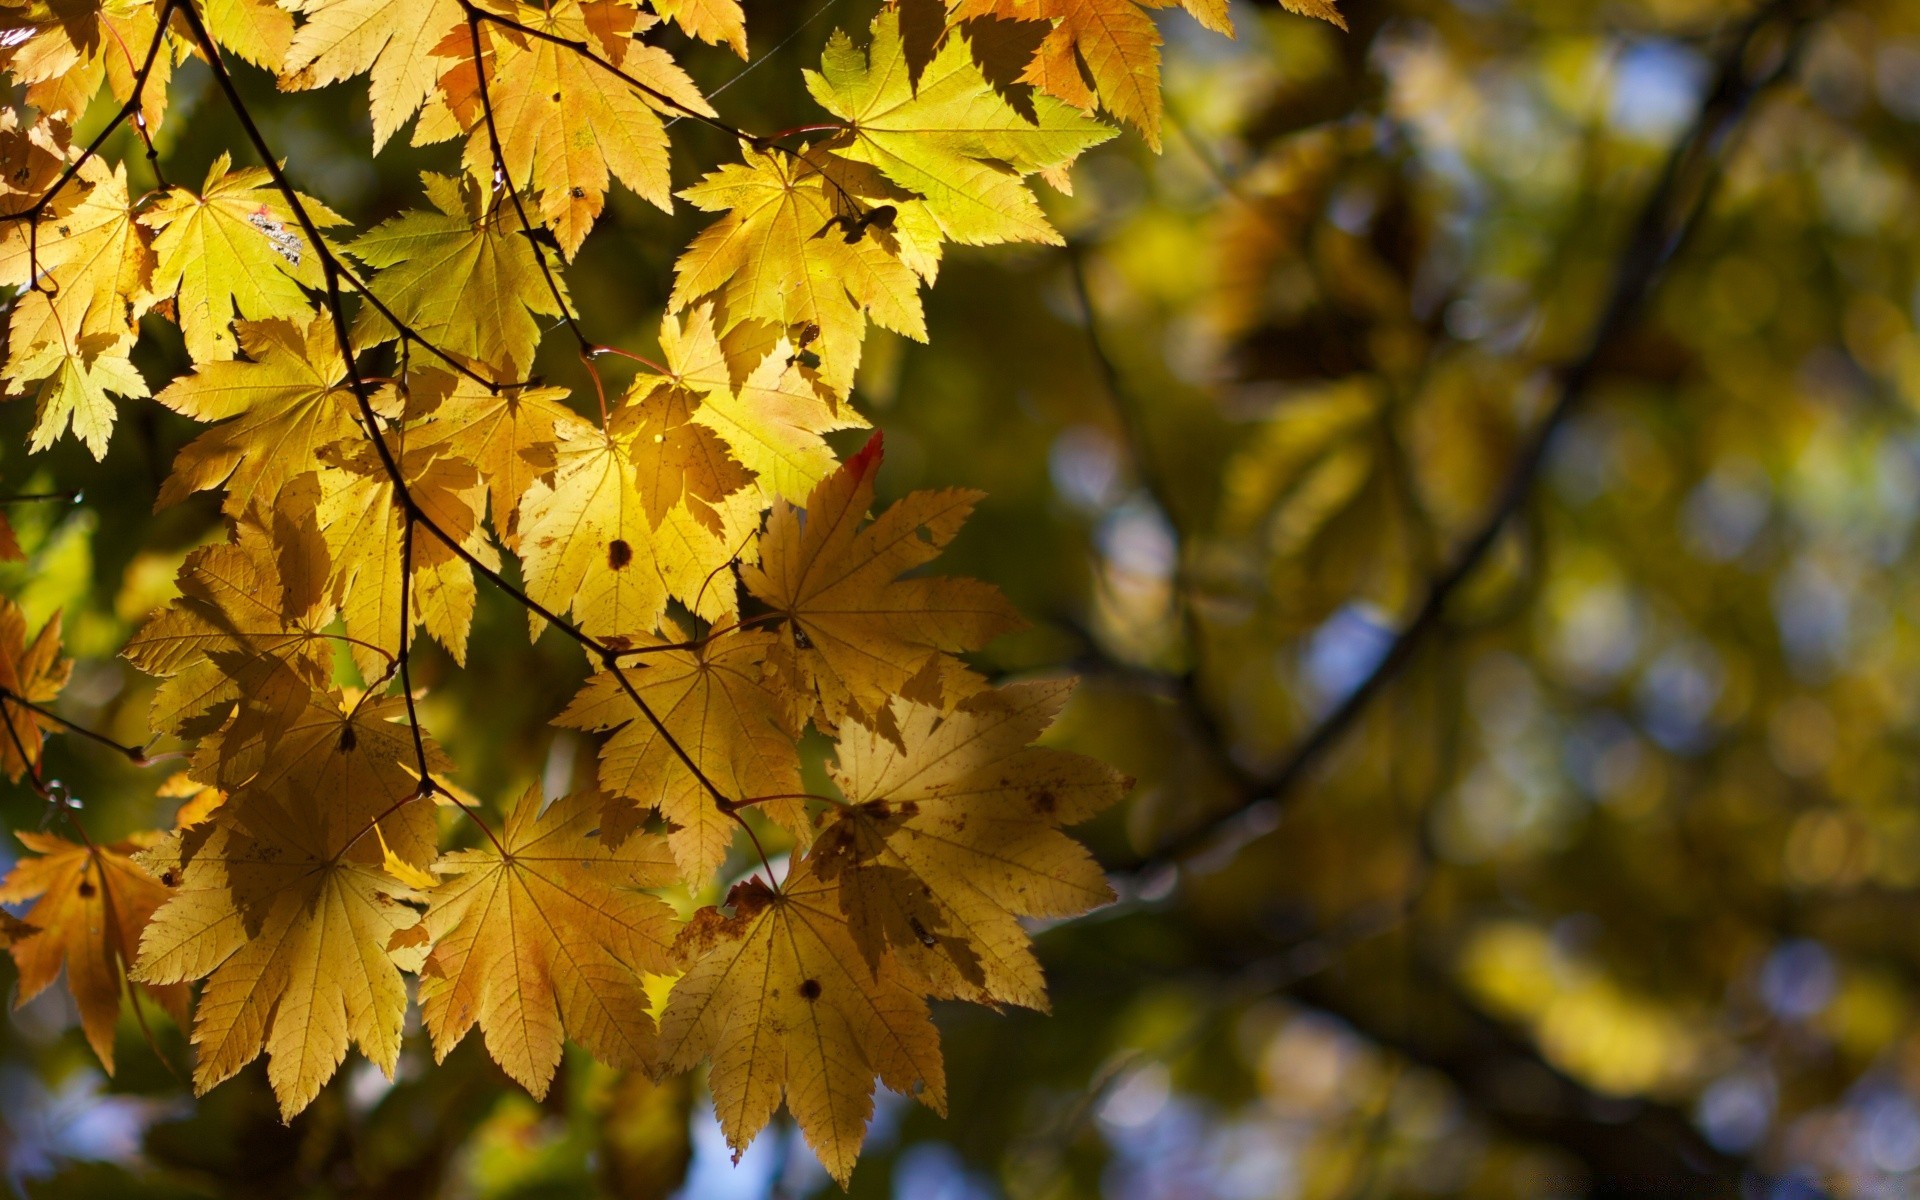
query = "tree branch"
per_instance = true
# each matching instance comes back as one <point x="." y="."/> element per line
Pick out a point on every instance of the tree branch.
<point x="1666" y="220"/>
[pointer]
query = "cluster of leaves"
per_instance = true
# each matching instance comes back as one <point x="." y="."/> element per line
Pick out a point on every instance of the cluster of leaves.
<point x="699" y="541"/>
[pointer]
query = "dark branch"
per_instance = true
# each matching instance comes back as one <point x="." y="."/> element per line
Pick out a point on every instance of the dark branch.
<point x="1666" y="219"/>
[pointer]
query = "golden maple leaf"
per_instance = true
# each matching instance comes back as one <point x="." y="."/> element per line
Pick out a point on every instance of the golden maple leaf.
<point x="779" y="998"/>
<point x="91" y="903"/>
<point x="587" y="543"/>
<point x="33" y="671"/>
<point x="777" y="256"/>
<point x="943" y="846"/>
<point x="719" y="703"/>
<point x="462" y="277"/>
<point x="949" y="137"/>
<point x="566" y="125"/>
<point x="853" y="631"/>
<point x="284" y="405"/>
<point x="544" y="937"/>
<point x="233" y="248"/>
<point x="392" y="39"/>
<point x="290" y="929"/>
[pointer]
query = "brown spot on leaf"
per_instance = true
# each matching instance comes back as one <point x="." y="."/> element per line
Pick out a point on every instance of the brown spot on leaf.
<point x="1044" y="802"/>
<point x="810" y="988"/>
<point x="87" y="889"/>
<point x="619" y="554"/>
<point x="169" y="878"/>
<point x="349" y="740"/>
<point x="907" y="810"/>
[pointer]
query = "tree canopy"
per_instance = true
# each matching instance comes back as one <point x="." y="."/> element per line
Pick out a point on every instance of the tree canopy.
<point x="966" y="598"/>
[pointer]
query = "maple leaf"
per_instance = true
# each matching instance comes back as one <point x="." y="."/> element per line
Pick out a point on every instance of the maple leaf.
<point x="567" y="126"/>
<point x="719" y="703"/>
<point x="1106" y="53"/>
<point x="772" y="418"/>
<point x="290" y="931"/>
<point x="91" y="904"/>
<point x="951" y="138"/>
<point x="393" y="39"/>
<point x="233" y="248"/>
<point x="543" y="938"/>
<point x="63" y="53"/>
<point x="33" y="671"/>
<point x="587" y="543"/>
<point x="92" y="256"/>
<point x="776" y="257"/>
<point x="226" y="637"/>
<point x="944" y="845"/>
<point x="354" y="505"/>
<point x="678" y="462"/>
<point x="509" y="435"/>
<point x="257" y="30"/>
<point x="286" y="403"/>
<point x="460" y="277"/>
<point x="719" y="22"/>
<point x="74" y="388"/>
<point x="855" y="632"/>
<point x="778" y="996"/>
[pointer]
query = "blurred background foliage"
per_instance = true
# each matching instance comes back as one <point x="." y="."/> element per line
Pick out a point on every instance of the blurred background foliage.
<point x="1567" y="853"/>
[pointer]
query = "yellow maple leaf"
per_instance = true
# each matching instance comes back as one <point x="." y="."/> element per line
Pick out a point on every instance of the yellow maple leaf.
<point x="463" y="278"/>
<point x="285" y="404"/>
<point x="855" y="632"/>
<point x="944" y="845"/>
<point x="232" y="249"/>
<point x="257" y="30"/>
<point x="75" y="383"/>
<point x="226" y="637"/>
<point x="290" y="930"/>
<point x="567" y="126"/>
<point x="772" y="417"/>
<point x="778" y="256"/>
<point x="780" y="999"/>
<point x="509" y="435"/>
<point x="392" y="39"/>
<point x="720" y="705"/>
<point x="544" y="938"/>
<point x="34" y="671"/>
<point x="91" y="903"/>
<point x="587" y="544"/>
<point x="950" y="138"/>
<point x="717" y="21"/>
<point x="63" y="52"/>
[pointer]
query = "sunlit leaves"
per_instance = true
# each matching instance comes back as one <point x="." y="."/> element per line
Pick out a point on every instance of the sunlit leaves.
<point x="948" y="137"/>
<point x="233" y="248"/>
<point x="462" y="277"/>
<point x="291" y="934"/>
<point x="90" y="905"/>
<point x="853" y="631"/>
<point x="779" y="998"/>
<point x="382" y="441"/>
<point x="544" y="938"/>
